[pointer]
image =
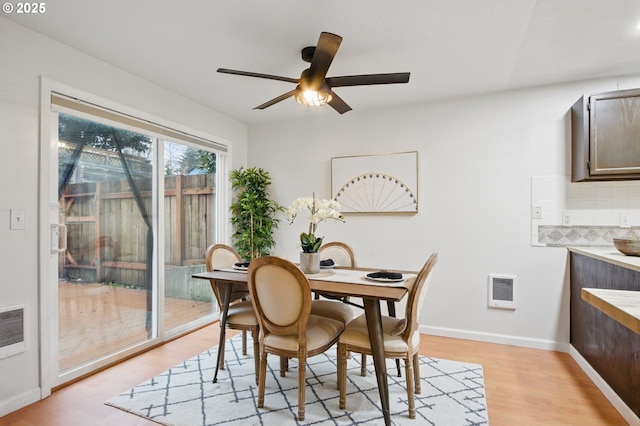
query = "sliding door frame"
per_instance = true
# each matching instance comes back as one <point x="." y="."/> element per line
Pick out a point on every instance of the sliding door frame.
<point x="48" y="212"/>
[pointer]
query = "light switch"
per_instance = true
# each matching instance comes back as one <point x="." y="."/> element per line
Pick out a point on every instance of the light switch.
<point x="18" y="219"/>
<point x="536" y="212"/>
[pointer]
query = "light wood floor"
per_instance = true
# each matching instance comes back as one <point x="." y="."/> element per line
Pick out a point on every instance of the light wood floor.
<point x="523" y="386"/>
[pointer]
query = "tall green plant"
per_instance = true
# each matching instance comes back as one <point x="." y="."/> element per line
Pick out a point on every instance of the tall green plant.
<point x="253" y="212"/>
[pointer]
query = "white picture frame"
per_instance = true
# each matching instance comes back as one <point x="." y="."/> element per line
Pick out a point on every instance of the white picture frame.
<point x="376" y="183"/>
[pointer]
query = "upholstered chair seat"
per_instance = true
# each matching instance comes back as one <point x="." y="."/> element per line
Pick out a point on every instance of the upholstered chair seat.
<point x="337" y="307"/>
<point x="357" y="334"/>
<point x="334" y="310"/>
<point x="401" y="339"/>
<point x="240" y="315"/>
<point x="281" y="297"/>
<point x="319" y="329"/>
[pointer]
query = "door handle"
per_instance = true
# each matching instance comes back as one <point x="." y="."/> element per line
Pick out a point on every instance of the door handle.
<point x="58" y="233"/>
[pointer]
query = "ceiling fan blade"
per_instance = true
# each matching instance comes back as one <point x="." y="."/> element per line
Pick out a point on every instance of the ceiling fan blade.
<point x="338" y="104"/>
<point x="276" y="100"/>
<point x="255" y="74"/>
<point x="368" y="79"/>
<point x="326" y="50"/>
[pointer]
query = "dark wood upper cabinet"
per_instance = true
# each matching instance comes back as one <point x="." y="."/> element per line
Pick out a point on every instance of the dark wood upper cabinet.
<point x="605" y="136"/>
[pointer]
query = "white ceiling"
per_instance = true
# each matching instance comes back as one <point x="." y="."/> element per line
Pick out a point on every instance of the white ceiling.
<point x="451" y="47"/>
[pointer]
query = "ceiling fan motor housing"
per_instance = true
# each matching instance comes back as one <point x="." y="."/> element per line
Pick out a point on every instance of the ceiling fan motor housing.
<point x="307" y="53"/>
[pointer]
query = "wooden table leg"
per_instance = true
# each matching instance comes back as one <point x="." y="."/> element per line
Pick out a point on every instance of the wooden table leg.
<point x="223" y="325"/>
<point x="374" y="325"/>
<point x="391" y="307"/>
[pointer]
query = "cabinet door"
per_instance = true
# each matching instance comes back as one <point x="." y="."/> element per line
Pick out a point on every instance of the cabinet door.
<point x="615" y="133"/>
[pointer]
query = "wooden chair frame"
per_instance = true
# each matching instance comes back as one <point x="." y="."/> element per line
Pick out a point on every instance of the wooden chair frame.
<point x="351" y="255"/>
<point x="239" y="301"/>
<point x="271" y="280"/>
<point x="344" y="247"/>
<point x="404" y="329"/>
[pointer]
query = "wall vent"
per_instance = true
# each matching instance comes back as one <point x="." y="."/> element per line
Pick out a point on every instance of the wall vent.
<point x="502" y="291"/>
<point x="13" y="329"/>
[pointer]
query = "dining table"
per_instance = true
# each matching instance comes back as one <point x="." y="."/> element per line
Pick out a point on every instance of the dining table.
<point x="338" y="281"/>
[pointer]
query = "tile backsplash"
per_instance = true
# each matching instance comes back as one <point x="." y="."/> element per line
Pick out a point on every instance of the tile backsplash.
<point x="592" y="236"/>
<point x="583" y="213"/>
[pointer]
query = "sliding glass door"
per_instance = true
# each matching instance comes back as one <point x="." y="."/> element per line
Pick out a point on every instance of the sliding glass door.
<point x="189" y="227"/>
<point x="106" y="279"/>
<point x="136" y="213"/>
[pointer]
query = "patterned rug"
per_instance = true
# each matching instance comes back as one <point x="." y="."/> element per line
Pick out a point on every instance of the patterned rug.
<point x="452" y="393"/>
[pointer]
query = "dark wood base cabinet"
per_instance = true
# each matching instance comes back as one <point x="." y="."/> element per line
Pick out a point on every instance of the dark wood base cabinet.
<point x="612" y="349"/>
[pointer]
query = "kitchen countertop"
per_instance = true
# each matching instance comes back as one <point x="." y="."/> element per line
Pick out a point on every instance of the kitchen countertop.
<point x="610" y="255"/>
<point x="621" y="305"/>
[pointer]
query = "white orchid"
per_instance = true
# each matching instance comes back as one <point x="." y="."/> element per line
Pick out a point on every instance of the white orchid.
<point x="320" y="210"/>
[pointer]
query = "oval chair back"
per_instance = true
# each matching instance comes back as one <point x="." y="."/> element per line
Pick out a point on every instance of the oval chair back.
<point x="341" y="253"/>
<point x="416" y="297"/>
<point x="281" y="297"/>
<point x="240" y="315"/>
<point x="221" y="256"/>
<point x="401" y="338"/>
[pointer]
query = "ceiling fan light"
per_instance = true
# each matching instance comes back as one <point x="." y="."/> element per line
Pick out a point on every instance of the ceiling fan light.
<point x="312" y="97"/>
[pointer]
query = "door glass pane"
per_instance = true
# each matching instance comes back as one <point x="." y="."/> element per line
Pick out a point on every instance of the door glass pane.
<point x="188" y="229"/>
<point x="105" y="277"/>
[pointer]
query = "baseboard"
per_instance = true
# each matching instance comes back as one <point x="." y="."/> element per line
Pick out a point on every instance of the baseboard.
<point x="501" y="339"/>
<point x="608" y="392"/>
<point x="19" y="401"/>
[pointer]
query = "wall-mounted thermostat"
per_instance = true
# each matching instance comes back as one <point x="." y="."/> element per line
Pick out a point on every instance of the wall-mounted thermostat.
<point x="501" y="291"/>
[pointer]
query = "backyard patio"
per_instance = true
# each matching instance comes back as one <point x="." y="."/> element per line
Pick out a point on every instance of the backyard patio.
<point x="97" y="319"/>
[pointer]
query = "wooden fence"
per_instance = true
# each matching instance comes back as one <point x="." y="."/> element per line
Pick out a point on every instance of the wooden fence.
<point x="107" y="234"/>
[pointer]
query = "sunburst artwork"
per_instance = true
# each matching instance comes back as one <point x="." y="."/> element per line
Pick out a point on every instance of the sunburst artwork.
<point x="385" y="183"/>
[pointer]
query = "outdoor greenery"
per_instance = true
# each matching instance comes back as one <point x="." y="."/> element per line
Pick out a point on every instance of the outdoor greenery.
<point x="206" y="160"/>
<point x="253" y="213"/>
<point x="189" y="158"/>
<point x="96" y="135"/>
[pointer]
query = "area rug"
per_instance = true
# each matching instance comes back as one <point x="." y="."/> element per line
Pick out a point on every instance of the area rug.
<point x="452" y="393"/>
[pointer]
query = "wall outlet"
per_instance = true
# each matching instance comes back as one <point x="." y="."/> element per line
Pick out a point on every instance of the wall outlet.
<point x="569" y="219"/>
<point x="625" y="220"/>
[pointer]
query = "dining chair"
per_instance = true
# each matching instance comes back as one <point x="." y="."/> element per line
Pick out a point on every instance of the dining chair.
<point x="337" y="307"/>
<point x="342" y="255"/>
<point x="281" y="297"/>
<point x="401" y="338"/>
<point x="240" y="315"/>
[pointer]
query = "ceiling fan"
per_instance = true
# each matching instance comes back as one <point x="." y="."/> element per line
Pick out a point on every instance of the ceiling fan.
<point x="314" y="88"/>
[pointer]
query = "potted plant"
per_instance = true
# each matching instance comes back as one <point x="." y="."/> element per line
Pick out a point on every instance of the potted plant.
<point x="253" y="213"/>
<point x="320" y="210"/>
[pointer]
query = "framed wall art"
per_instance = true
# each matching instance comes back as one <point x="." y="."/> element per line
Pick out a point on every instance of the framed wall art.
<point x="377" y="183"/>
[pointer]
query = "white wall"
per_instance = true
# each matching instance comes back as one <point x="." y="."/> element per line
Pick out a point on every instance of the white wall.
<point x="476" y="160"/>
<point x="25" y="57"/>
<point x="477" y="157"/>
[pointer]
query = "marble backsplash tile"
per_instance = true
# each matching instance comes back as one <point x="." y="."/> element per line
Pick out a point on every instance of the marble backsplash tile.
<point x="584" y="236"/>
